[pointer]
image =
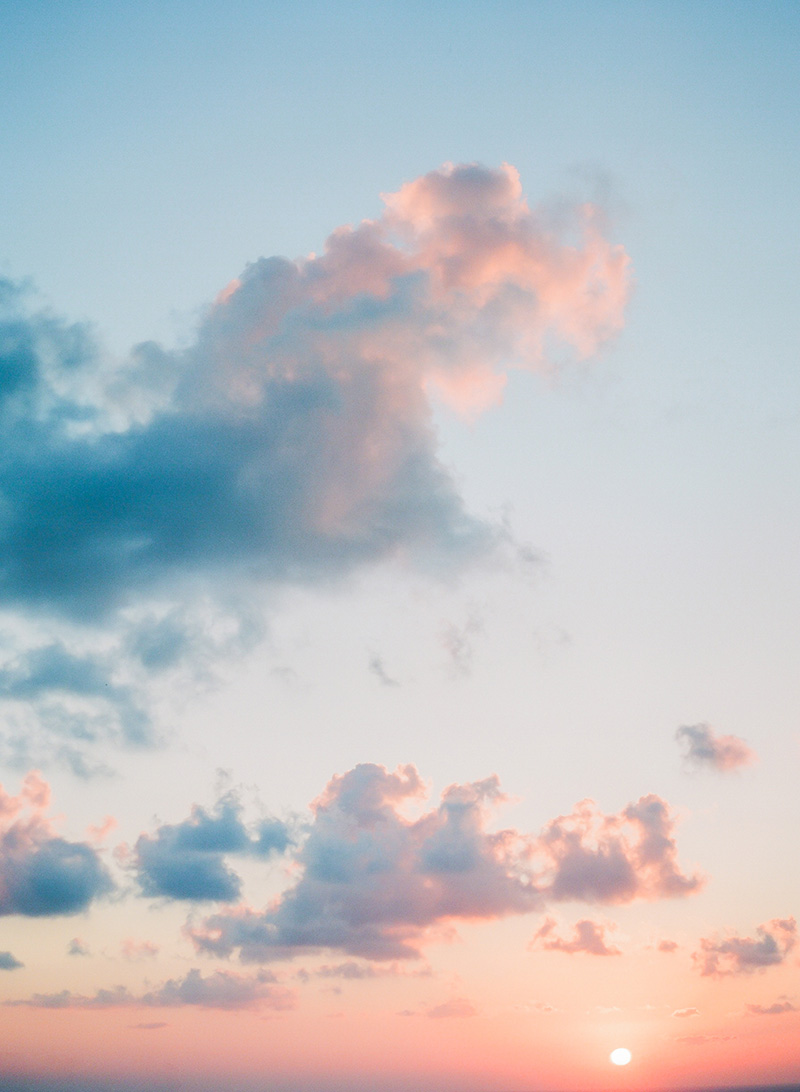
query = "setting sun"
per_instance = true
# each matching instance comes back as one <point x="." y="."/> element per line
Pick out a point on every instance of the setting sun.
<point x="620" y="1056"/>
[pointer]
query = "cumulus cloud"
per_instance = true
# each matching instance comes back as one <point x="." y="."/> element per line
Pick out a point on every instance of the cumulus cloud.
<point x="293" y="439"/>
<point x="9" y="962"/>
<point x="704" y="748"/>
<point x="377" y="883"/>
<point x="588" y="937"/>
<point x="667" y="946"/>
<point x="773" y="942"/>
<point x="593" y="857"/>
<point x="78" y="947"/>
<point x="41" y="873"/>
<point x="188" y="860"/>
<point x="219" y="990"/>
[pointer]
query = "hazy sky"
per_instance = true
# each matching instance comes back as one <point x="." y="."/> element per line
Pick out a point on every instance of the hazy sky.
<point x="400" y="512"/>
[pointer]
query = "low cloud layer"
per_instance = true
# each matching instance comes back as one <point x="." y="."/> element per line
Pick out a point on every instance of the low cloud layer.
<point x="42" y="874"/>
<point x="773" y="942"/>
<point x="588" y="937"/>
<point x="188" y="860"/>
<point x="293" y="439"/>
<point x="219" y="990"/>
<point x="703" y="748"/>
<point x="377" y="883"/>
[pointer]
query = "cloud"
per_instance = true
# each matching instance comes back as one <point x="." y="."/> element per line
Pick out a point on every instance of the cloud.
<point x="376" y="883"/>
<point x="593" y="857"/>
<point x="778" y="1008"/>
<point x="136" y="950"/>
<point x="41" y="873"/>
<point x="667" y="946"/>
<point x="772" y="944"/>
<point x="588" y="937"/>
<point x="378" y="669"/>
<point x="219" y="990"/>
<point x="705" y="749"/>
<point x="9" y="962"/>
<point x="293" y="440"/>
<point x="188" y="860"/>
<point x="78" y="947"/>
<point x="683" y="1013"/>
<point x="458" y="1008"/>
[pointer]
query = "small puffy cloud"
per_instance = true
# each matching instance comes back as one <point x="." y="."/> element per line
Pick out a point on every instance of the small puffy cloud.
<point x="188" y="860"/>
<point x="293" y="439"/>
<point x="667" y="946"/>
<point x="588" y="937"/>
<point x="773" y="942"/>
<point x="219" y="990"/>
<point x="458" y="1008"/>
<point x="683" y="1013"/>
<point x="704" y="748"/>
<point x="78" y="947"/>
<point x="9" y="962"/>
<point x="593" y="857"/>
<point x="777" y="1008"/>
<point x="377" y="884"/>
<point x="41" y="873"/>
<point x="137" y="950"/>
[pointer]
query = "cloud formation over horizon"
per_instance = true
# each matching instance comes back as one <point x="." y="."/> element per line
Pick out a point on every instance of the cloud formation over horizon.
<point x="294" y="438"/>
<point x="378" y="884"/>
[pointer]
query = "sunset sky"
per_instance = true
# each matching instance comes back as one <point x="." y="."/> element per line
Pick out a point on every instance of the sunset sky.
<point x="400" y="522"/>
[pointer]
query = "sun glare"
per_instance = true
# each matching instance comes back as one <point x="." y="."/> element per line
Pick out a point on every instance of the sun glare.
<point x="620" y="1056"/>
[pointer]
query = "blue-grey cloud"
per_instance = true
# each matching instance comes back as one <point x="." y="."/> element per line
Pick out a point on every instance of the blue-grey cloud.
<point x="704" y="748"/>
<point x="188" y="860"/>
<point x="293" y="439"/>
<point x="42" y="873"/>
<point x="9" y="962"/>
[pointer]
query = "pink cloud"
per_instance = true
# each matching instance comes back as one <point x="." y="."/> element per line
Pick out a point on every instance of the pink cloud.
<point x="773" y="942"/>
<point x="377" y="883"/>
<point x="588" y="937"/>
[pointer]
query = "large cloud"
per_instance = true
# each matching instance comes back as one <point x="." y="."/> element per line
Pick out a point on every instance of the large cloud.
<point x="293" y="439"/>
<point x="774" y="940"/>
<point x="41" y="873"/>
<point x="187" y="860"/>
<point x="377" y="883"/>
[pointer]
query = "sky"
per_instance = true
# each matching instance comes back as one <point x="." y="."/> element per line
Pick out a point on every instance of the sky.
<point x="400" y="512"/>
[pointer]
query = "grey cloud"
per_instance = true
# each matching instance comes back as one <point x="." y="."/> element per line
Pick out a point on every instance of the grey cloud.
<point x="704" y="748"/>
<point x="773" y="942"/>
<point x="78" y="947"/>
<point x="588" y="937"/>
<point x="458" y="1008"/>
<point x="43" y="874"/>
<point x="778" y="1008"/>
<point x="188" y="860"/>
<point x="376" y="884"/>
<point x="9" y="962"/>
<point x="378" y="669"/>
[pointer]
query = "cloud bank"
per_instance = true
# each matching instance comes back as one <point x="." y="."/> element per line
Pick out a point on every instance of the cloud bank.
<point x="377" y="883"/>
<point x="294" y="438"/>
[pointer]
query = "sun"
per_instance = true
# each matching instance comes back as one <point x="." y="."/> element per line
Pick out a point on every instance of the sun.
<point x="620" y="1056"/>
